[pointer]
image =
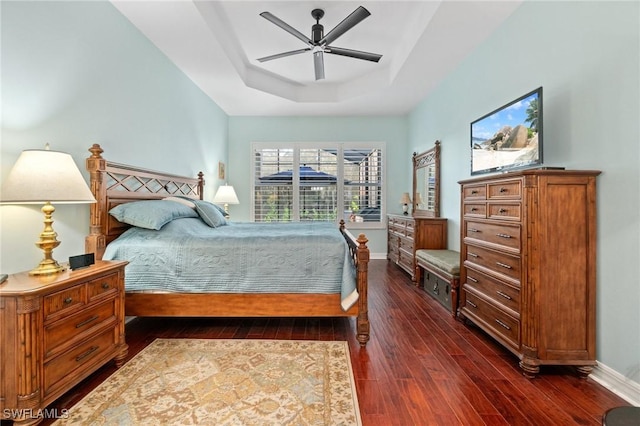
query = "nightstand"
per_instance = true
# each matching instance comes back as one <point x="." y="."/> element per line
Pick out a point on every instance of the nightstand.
<point x="55" y="330"/>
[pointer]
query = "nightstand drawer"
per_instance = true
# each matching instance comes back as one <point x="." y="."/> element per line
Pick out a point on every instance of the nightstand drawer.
<point x="64" y="300"/>
<point x="62" y="333"/>
<point x="102" y="286"/>
<point x="77" y="360"/>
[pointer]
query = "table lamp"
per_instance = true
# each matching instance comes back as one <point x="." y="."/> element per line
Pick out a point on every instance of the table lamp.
<point x="45" y="177"/>
<point x="226" y="195"/>
<point x="405" y="201"/>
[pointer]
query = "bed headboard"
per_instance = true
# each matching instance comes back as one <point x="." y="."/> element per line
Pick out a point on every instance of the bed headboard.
<point x="113" y="184"/>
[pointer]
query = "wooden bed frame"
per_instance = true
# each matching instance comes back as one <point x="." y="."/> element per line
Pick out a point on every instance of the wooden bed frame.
<point x="114" y="184"/>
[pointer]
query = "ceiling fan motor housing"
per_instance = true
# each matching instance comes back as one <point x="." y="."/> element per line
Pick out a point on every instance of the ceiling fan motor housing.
<point x="317" y="30"/>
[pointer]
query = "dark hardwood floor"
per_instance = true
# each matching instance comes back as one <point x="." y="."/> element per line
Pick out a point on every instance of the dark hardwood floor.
<point x="421" y="367"/>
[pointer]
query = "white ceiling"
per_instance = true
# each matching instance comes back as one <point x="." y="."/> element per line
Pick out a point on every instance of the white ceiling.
<point x="217" y="43"/>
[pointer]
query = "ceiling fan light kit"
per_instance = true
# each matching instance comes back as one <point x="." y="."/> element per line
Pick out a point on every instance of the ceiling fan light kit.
<point x="319" y="43"/>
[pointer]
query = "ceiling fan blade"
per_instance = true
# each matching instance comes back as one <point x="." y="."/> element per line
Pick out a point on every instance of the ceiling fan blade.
<point x="349" y="22"/>
<point x="374" y="57"/>
<point x="318" y="64"/>
<point x="283" y="54"/>
<point x="288" y="28"/>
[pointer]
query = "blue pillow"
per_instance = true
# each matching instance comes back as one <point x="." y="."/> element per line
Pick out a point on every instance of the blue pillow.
<point x="151" y="214"/>
<point x="210" y="213"/>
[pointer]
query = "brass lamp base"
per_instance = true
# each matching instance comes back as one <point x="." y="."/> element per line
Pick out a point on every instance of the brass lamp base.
<point x="47" y="243"/>
<point x="47" y="267"/>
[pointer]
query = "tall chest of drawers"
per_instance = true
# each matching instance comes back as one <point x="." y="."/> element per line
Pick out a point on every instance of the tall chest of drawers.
<point x="528" y="252"/>
<point x="57" y="330"/>
<point x="406" y="234"/>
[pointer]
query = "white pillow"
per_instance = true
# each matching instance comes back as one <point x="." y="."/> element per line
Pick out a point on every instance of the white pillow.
<point x="180" y="200"/>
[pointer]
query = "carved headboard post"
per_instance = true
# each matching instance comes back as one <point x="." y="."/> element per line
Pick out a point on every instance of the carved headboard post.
<point x="201" y="185"/>
<point x="95" y="242"/>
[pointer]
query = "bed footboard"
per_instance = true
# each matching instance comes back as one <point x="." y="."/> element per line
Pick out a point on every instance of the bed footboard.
<point x="360" y="256"/>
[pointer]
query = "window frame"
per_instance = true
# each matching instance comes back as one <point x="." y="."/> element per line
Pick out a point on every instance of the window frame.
<point x="339" y="147"/>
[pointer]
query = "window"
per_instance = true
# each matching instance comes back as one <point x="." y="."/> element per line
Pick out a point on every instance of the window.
<point x="319" y="182"/>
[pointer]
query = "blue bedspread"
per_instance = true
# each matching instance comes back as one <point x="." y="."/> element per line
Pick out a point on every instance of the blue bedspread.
<point x="187" y="256"/>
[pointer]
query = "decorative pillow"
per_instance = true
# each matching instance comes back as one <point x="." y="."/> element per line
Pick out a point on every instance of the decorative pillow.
<point x="210" y="213"/>
<point x="186" y="201"/>
<point x="151" y="214"/>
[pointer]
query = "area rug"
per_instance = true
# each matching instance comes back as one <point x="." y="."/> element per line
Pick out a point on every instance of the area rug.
<point x="226" y="382"/>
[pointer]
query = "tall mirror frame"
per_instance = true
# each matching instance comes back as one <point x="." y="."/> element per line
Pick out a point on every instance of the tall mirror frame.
<point x="426" y="183"/>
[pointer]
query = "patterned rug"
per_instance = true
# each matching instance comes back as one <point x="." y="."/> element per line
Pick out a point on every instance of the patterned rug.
<point x="226" y="382"/>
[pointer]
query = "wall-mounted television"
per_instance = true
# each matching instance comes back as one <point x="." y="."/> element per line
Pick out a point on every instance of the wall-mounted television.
<point x="509" y="137"/>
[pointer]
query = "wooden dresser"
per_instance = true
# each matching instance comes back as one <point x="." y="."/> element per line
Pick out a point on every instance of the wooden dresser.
<point x="528" y="263"/>
<point x="55" y="331"/>
<point x="406" y="234"/>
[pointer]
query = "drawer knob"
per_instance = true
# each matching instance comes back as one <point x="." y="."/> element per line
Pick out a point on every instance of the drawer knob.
<point x="505" y="295"/>
<point x="503" y="265"/>
<point x="503" y="235"/>
<point x="68" y="300"/>
<point x="105" y="285"/>
<point x="502" y="210"/>
<point x="474" y="191"/>
<point x="474" y="230"/>
<point x="474" y="209"/>
<point x="472" y="254"/>
<point x="472" y="304"/>
<point x="502" y="324"/>
<point x="82" y="356"/>
<point x="503" y="189"/>
<point x="472" y="279"/>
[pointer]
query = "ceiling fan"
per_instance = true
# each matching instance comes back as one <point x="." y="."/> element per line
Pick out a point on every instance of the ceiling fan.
<point x="319" y="43"/>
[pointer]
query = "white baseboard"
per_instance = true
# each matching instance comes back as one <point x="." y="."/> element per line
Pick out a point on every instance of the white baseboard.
<point x="622" y="386"/>
<point x="378" y="256"/>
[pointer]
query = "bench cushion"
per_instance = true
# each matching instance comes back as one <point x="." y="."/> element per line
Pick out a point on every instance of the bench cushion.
<point x="446" y="260"/>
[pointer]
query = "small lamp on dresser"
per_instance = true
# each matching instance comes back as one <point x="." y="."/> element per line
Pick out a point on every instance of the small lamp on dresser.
<point x="405" y="201"/>
<point x="45" y="177"/>
<point x="226" y="195"/>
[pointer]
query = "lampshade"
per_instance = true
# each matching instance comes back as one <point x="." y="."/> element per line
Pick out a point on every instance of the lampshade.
<point x="226" y="195"/>
<point x="418" y="198"/>
<point x="405" y="198"/>
<point x="40" y="175"/>
<point x="43" y="177"/>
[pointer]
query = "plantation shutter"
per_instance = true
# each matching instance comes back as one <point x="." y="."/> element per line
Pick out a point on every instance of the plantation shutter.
<point x="319" y="182"/>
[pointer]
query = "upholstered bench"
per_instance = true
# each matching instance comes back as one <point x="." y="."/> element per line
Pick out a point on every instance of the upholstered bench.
<point x="441" y="275"/>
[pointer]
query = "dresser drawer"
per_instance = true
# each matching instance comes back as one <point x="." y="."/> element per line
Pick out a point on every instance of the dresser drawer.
<point x="474" y="192"/>
<point x="475" y="210"/>
<point x="502" y="293"/>
<point x="65" y="300"/>
<point x="407" y="244"/>
<point x="78" y="359"/>
<point x="102" y="286"/>
<point x="508" y="189"/>
<point x="506" y="237"/>
<point x="505" y="211"/>
<point x="502" y="324"/>
<point x="64" y="331"/>
<point x="501" y="264"/>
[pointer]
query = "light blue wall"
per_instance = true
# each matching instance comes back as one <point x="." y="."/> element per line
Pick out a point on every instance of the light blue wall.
<point x="78" y="73"/>
<point x="392" y="130"/>
<point x="586" y="55"/>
